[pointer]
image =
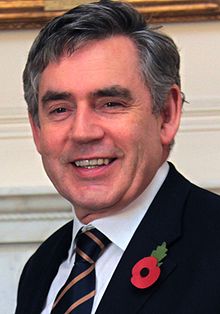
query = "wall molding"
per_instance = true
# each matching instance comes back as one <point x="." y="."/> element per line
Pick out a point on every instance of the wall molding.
<point x="39" y="201"/>
<point x="14" y="123"/>
<point x="21" y="217"/>
<point x="32" y="228"/>
<point x="199" y="115"/>
<point x="29" y="215"/>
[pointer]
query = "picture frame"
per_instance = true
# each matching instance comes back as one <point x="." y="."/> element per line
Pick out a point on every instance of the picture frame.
<point x="33" y="14"/>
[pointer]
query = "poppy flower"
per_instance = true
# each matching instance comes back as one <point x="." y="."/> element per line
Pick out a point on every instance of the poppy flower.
<point x="147" y="270"/>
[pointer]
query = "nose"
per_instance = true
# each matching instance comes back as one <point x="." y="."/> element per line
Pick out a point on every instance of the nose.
<point x="86" y="126"/>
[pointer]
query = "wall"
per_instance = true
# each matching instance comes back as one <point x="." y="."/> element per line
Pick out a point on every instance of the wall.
<point x="30" y="209"/>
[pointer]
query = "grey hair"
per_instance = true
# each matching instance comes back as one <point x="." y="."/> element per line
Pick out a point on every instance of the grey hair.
<point x="158" y="54"/>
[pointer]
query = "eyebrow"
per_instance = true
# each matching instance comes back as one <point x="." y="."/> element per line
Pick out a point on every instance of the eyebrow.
<point x="113" y="91"/>
<point x="53" y="95"/>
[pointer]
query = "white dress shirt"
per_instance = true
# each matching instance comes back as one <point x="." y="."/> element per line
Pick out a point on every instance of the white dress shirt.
<point x="119" y="228"/>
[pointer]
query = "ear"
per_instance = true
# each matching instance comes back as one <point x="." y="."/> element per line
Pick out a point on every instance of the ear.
<point x="36" y="131"/>
<point x="171" y="116"/>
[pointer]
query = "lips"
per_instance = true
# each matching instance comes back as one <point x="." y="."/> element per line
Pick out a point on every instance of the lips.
<point x="93" y="163"/>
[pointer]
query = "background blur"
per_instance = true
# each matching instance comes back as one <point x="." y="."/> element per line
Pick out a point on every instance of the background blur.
<point x="30" y="209"/>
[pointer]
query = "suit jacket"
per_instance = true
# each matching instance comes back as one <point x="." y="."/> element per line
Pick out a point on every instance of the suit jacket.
<point x="183" y="215"/>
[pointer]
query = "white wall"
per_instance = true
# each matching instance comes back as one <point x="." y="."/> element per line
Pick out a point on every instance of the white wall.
<point x="197" y="152"/>
<point x="29" y="208"/>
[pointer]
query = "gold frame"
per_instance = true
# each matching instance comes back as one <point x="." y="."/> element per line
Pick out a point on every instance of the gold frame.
<point x="31" y="14"/>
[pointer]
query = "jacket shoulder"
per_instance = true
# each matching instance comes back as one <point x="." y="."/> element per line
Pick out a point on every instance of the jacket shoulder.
<point x="205" y="200"/>
<point x="62" y="236"/>
<point x="41" y="268"/>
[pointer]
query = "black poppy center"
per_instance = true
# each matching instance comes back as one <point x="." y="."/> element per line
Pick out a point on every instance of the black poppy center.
<point x="144" y="272"/>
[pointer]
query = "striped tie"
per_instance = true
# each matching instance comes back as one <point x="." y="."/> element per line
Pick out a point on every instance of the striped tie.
<point x="77" y="294"/>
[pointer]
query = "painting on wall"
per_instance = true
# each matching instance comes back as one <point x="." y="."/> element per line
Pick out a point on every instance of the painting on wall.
<point x="27" y="14"/>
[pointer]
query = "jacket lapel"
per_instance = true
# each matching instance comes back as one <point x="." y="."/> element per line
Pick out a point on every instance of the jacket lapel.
<point x="58" y="253"/>
<point x="162" y="222"/>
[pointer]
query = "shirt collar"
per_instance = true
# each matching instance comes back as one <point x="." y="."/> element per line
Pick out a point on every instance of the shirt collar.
<point x="126" y="220"/>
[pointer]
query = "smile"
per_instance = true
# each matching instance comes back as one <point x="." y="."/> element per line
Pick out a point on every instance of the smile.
<point x="93" y="163"/>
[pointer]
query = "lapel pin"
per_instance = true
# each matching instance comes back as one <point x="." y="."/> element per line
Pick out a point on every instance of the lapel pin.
<point x="146" y="271"/>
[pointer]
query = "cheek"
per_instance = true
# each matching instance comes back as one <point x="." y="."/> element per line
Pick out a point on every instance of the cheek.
<point x="148" y="144"/>
<point x="134" y="144"/>
<point x="50" y="144"/>
<point x="47" y="145"/>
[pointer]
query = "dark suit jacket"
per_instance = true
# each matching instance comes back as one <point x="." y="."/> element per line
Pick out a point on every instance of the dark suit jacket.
<point x="183" y="215"/>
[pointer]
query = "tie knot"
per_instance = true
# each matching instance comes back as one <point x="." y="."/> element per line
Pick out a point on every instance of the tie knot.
<point x="90" y="245"/>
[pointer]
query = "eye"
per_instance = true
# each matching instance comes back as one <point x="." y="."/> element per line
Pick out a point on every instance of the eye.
<point x="59" y="113"/>
<point x="113" y="104"/>
<point x="59" y="110"/>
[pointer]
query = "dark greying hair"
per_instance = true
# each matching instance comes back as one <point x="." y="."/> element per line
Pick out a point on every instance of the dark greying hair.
<point x="158" y="54"/>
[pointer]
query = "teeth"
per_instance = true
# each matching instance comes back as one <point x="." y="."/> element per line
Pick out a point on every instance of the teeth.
<point x="92" y="163"/>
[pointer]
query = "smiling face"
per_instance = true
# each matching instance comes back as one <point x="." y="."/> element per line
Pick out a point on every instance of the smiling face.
<point x="100" y="143"/>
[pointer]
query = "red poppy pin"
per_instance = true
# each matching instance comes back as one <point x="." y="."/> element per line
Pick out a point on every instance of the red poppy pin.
<point x="146" y="271"/>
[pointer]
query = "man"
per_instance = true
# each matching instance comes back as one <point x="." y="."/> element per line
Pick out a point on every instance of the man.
<point x="104" y="100"/>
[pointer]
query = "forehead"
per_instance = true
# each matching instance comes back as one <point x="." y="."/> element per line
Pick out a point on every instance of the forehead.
<point x="112" y="50"/>
<point x="99" y="63"/>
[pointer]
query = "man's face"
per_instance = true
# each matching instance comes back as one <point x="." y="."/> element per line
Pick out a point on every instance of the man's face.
<point x="99" y="141"/>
